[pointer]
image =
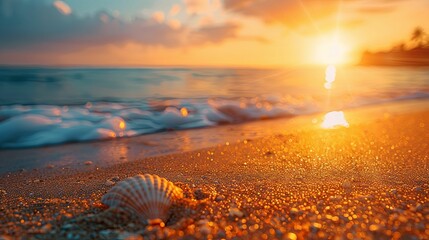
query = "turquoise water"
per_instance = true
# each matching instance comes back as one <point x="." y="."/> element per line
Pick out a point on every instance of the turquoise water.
<point x="43" y="106"/>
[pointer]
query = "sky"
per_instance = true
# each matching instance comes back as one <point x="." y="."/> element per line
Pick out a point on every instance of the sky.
<point x="256" y="33"/>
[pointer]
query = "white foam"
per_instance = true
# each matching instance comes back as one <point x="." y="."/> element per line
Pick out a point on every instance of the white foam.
<point x="37" y="125"/>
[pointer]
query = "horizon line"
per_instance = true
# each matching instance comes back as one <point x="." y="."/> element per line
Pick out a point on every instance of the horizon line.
<point x="162" y="66"/>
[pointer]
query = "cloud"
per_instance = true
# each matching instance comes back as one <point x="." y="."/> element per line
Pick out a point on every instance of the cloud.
<point x="375" y="9"/>
<point x="175" y="9"/>
<point x="289" y="12"/>
<point x="201" y="6"/>
<point x="158" y="16"/>
<point x="32" y="22"/>
<point x="196" y="6"/>
<point x="35" y="25"/>
<point x="206" y="21"/>
<point x="63" y="7"/>
<point x="174" y="24"/>
<point x="307" y="15"/>
<point x="215" y="34"/>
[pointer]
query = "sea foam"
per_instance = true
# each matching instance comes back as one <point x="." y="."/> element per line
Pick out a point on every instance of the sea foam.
<point x="37" y="125"/>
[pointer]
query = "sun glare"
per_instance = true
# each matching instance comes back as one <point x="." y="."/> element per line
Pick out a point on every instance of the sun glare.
<point x="330" y="51"/>
<point x="334" y="119"/>
<point x="330" y="74"/>
<point x="184" y="112"/>
<point x="122" y="125"/>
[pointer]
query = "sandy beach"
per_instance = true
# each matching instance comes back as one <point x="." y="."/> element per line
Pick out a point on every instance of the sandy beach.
<point x="298" y="181"/>
<point x="219" y="119"/>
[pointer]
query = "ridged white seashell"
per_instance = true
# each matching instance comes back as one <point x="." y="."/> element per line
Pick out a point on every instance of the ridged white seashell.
<point x="148" y="196"/>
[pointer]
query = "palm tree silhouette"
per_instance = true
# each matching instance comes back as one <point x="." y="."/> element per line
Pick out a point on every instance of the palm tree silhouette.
<point x="418" y="36"/>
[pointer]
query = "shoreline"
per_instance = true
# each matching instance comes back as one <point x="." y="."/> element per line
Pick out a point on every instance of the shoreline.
<point x="297" y="182"/>
<point x="84" y="156"/>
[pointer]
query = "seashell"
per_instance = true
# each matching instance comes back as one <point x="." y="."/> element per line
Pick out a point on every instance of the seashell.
<point x="148" y="196"/>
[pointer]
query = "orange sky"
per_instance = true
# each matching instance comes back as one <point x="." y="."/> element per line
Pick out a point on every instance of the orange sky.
<point x="273" y="33"/>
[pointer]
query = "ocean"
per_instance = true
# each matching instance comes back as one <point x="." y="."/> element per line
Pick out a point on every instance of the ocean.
<point x="46" y="106"/>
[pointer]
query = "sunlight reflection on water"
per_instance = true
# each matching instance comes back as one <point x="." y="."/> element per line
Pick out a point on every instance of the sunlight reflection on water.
<point x="334" y="119"/>
<point x="330" y="74"/>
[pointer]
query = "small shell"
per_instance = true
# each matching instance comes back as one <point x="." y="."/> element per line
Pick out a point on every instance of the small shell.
<point x="147" y="196"/>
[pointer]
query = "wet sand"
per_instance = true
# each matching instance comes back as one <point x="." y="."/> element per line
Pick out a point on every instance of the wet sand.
<point x="368" y="181"/>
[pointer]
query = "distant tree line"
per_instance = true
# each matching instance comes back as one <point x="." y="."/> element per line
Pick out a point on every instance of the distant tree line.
<point x="415" y="52"/>
<point x="419" y="39"/>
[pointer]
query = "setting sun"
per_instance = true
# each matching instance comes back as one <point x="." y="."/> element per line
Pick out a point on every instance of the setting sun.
<point x="214" y="119"/>
<point x="330" y="51"/>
